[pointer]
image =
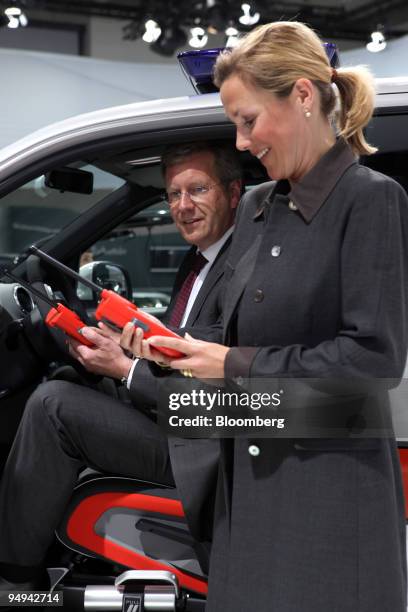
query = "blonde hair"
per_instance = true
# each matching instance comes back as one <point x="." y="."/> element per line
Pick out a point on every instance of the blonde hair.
<point x="274" y="56"/>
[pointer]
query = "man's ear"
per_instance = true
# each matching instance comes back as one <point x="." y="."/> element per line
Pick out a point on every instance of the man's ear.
<point x="235" y="190"/>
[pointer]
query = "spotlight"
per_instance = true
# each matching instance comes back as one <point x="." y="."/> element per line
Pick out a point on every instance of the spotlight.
<point x="16" y="17"/>
<point x="152" y="32"/>
<point x="198" y="38"/>
<point x="232" y="34"/>
<point x="23" y="20"/>
<point x="171" y="38"/>
<point x="247" y="19"/>
<point x="377" y="43"/>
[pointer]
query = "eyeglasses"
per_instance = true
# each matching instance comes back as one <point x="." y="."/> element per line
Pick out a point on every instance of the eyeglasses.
<point x="196" y="193"/>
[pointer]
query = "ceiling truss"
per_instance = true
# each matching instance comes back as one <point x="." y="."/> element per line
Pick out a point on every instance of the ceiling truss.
<point x="335" y="21"/>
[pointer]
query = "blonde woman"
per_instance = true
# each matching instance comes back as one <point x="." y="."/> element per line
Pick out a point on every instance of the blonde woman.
<point x="317" y="288"/>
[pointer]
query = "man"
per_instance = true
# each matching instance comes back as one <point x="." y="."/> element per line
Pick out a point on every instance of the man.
<point x="67" y="427"/>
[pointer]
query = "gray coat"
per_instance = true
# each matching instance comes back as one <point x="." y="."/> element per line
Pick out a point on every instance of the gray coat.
<point x="315" y="288"/>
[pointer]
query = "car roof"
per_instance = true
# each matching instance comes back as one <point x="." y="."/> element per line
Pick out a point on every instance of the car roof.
<point x="392" y="85"/>
<point x="151" y="115"/>
<point x="115" y="120"/>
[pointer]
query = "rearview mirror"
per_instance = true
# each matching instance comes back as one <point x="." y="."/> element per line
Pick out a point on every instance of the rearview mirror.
<point x="70" y="179"/>
<point x="106" y="275"/>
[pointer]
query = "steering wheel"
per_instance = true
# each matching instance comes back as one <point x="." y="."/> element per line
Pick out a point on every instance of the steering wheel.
<point x="57" y="349"/>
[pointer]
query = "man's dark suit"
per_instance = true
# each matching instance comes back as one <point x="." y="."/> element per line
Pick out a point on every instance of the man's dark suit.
<point x="66" y="427"/>
<point x="194" y="461"/>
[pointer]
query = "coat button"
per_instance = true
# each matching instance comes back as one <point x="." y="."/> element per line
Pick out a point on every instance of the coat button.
<point x="276" y="251"/>
<point x="292" y="205"/>
<point x="254" y="450"/>
<point x="259" y="295"/>
<point x="239" y="380"/>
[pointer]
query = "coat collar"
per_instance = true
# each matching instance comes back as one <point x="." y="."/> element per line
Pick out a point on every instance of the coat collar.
<point x="309" y="194"/>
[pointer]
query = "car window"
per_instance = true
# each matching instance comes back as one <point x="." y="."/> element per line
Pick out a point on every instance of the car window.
<point x="388" y="133"/>
<point x="35" y="212"/>
<point x="147" y="245"/>
<point x="151" y="249"/>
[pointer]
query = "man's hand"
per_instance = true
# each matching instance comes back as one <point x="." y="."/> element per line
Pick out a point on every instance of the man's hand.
<point x="106" y="356"/>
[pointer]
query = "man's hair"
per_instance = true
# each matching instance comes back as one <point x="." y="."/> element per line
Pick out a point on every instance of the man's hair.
<point x="227" y="165"/>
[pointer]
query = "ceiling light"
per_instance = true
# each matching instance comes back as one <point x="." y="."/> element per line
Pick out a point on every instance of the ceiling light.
<point x="232" y="34"/>
<point x="13" y="11"/>
<point x="23" y="20"/>
<point x="152" y="32"/>
<point x="247" y="19"/>
<point x="198" y="38"/>
<point x="144" y="161"/>
<point x="377" y="43"/>
<point x="16" y="17"/>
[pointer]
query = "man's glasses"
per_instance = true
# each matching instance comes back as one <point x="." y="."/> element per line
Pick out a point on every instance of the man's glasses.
<point x="196" y="193"/>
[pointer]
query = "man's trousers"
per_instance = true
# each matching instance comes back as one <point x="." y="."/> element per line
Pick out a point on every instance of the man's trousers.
<point x="65" y="428"/>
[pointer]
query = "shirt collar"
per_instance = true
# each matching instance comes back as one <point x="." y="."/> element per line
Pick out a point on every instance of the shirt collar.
<point x="310" y="193"/>
<point x="211" y="252"/>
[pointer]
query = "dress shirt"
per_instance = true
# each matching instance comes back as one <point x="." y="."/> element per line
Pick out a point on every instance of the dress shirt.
<point x="211" y="255"/>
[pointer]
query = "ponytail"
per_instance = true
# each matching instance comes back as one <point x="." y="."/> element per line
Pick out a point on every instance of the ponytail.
<point x="357" y="93"/>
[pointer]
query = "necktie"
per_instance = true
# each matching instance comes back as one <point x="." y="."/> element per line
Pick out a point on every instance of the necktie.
<point x="185" y="290"/>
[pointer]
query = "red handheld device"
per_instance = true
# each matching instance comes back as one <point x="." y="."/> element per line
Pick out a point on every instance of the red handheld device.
<point x="59" y="316"/>
<point x="116" y="310"/>
<point x="68" y="321"/>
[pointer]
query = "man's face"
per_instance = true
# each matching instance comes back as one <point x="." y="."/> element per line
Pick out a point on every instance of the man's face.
<point x="205" y="218"/>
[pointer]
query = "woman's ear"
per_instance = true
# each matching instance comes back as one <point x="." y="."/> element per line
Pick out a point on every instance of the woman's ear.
<point x="304" y="92"/>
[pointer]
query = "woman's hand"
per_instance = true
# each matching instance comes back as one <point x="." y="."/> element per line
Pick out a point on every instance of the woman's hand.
<point x="132" y="340"/>
<point x="109" y="332"/>
<point x="202" y="359"/>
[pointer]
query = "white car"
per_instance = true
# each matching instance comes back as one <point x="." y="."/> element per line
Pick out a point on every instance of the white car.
<point x="89" y="189"/>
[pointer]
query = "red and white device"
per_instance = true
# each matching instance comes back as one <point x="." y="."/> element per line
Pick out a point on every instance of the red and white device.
<point x="62" y="317"/>
<point x="59" y="315"/>
<point x="116" y="310"/>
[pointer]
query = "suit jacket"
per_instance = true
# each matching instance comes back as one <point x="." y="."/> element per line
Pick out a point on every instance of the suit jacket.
<point x="194" y="461"/>
<point x="314" y="524"/>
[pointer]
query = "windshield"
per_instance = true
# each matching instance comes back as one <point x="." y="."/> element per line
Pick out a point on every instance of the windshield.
<point x="35" y="212"/>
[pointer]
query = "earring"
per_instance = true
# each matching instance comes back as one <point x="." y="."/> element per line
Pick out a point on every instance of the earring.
<point x="308" y="113"/>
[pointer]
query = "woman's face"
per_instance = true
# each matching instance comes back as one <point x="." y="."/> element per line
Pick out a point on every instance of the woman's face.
<point x="276" y="130"/>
